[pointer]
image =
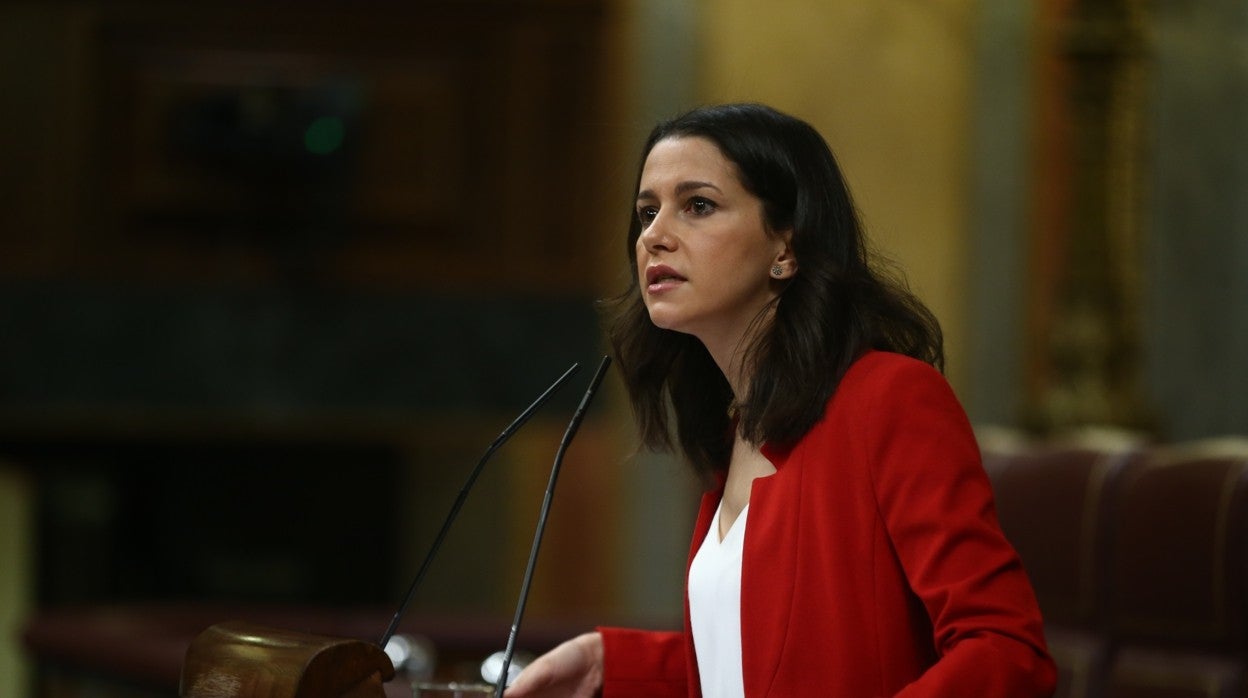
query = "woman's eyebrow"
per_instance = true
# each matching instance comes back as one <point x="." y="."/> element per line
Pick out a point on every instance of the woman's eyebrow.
<point x="680" y="189"/>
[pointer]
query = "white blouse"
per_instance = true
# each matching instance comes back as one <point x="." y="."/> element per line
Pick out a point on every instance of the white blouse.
<point x="715" y="609"/>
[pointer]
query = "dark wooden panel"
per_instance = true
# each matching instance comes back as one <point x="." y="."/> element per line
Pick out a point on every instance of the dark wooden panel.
<point x="447" y="145"/>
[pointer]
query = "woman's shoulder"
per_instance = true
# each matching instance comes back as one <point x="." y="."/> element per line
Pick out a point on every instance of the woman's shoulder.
<point x="879" y="387"/>
<point x="885" y="368"/>
<point x="884" y="395"/>
<point x="883" y="387"/>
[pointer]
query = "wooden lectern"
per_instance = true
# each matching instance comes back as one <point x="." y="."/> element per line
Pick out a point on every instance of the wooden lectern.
<point x="242" y="660"/>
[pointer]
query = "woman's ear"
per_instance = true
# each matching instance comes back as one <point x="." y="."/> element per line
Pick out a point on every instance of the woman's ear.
<point x="784" y="264"/>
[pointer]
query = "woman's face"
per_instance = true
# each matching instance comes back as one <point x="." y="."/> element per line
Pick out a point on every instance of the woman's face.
<point x="704" y="255"/>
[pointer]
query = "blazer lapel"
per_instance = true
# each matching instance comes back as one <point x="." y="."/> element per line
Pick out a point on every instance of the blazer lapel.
<point x="768" y="576"/>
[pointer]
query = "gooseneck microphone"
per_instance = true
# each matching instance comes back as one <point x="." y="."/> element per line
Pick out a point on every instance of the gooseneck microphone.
<point x="463" y="495"/>
<point x="573" y="426"/>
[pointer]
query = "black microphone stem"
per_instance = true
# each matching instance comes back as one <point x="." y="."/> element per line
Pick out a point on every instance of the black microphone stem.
<point x="573" y="426"/>
<point x="463" y="495"/>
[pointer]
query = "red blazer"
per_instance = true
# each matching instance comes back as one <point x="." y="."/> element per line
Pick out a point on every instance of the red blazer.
<point x="873" y="563"/>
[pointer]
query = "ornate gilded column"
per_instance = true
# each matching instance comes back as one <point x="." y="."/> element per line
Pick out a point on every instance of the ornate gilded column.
<point x="1083" y="363"/>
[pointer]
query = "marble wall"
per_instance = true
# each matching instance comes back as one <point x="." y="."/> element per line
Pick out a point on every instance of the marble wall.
<point x="1196" y="255"/>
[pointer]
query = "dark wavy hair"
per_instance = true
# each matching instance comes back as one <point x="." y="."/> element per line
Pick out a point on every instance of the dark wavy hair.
<point x="838" y="305"/>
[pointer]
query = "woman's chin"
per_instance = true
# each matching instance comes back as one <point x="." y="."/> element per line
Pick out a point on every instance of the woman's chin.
<point x="664" y="321"/>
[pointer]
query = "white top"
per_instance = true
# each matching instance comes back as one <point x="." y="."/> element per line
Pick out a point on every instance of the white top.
<point x="715" y="609"/>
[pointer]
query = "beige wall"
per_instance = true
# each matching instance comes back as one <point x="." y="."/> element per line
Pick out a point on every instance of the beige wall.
<point x="889" y="84"/>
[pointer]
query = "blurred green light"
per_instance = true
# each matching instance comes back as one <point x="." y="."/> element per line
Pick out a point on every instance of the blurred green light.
<point x="324" y="135"/>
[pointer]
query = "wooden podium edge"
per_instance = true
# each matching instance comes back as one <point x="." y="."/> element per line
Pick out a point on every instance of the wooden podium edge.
<point x="244" y="660"/>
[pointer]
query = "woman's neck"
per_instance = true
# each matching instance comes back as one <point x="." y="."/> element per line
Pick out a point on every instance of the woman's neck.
<point x="732" y="365"/>
<point x="730" y="353"/>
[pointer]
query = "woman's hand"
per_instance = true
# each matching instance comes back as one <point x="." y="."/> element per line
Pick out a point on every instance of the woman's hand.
<point x="573" y="669"/>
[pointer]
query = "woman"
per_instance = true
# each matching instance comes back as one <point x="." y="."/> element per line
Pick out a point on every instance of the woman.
<point x="847" y="545"/>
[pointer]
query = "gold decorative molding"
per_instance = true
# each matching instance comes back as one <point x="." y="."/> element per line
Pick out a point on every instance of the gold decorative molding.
<point x="1084" y="360"/>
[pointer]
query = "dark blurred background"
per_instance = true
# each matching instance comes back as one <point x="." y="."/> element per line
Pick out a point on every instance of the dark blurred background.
<point x="273" y="274"/>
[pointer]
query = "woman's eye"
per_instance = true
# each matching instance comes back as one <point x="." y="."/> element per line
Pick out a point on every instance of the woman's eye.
<point x="646" y="214"/>
<point x="699" y="206"/>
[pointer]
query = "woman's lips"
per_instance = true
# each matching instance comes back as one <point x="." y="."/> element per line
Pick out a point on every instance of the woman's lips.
<point x="660" y="277"/>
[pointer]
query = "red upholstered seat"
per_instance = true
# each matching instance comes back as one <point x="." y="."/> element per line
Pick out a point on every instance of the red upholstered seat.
<point x="1178" y="574"/>
<point x="1055" y="500"/>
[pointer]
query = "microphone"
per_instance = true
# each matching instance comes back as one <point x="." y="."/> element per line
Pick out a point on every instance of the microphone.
<point x="573" y="426"/>
<point x="463" y="495"/>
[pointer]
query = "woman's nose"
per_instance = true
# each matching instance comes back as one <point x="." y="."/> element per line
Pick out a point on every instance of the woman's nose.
<point x="656" y="236"/>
